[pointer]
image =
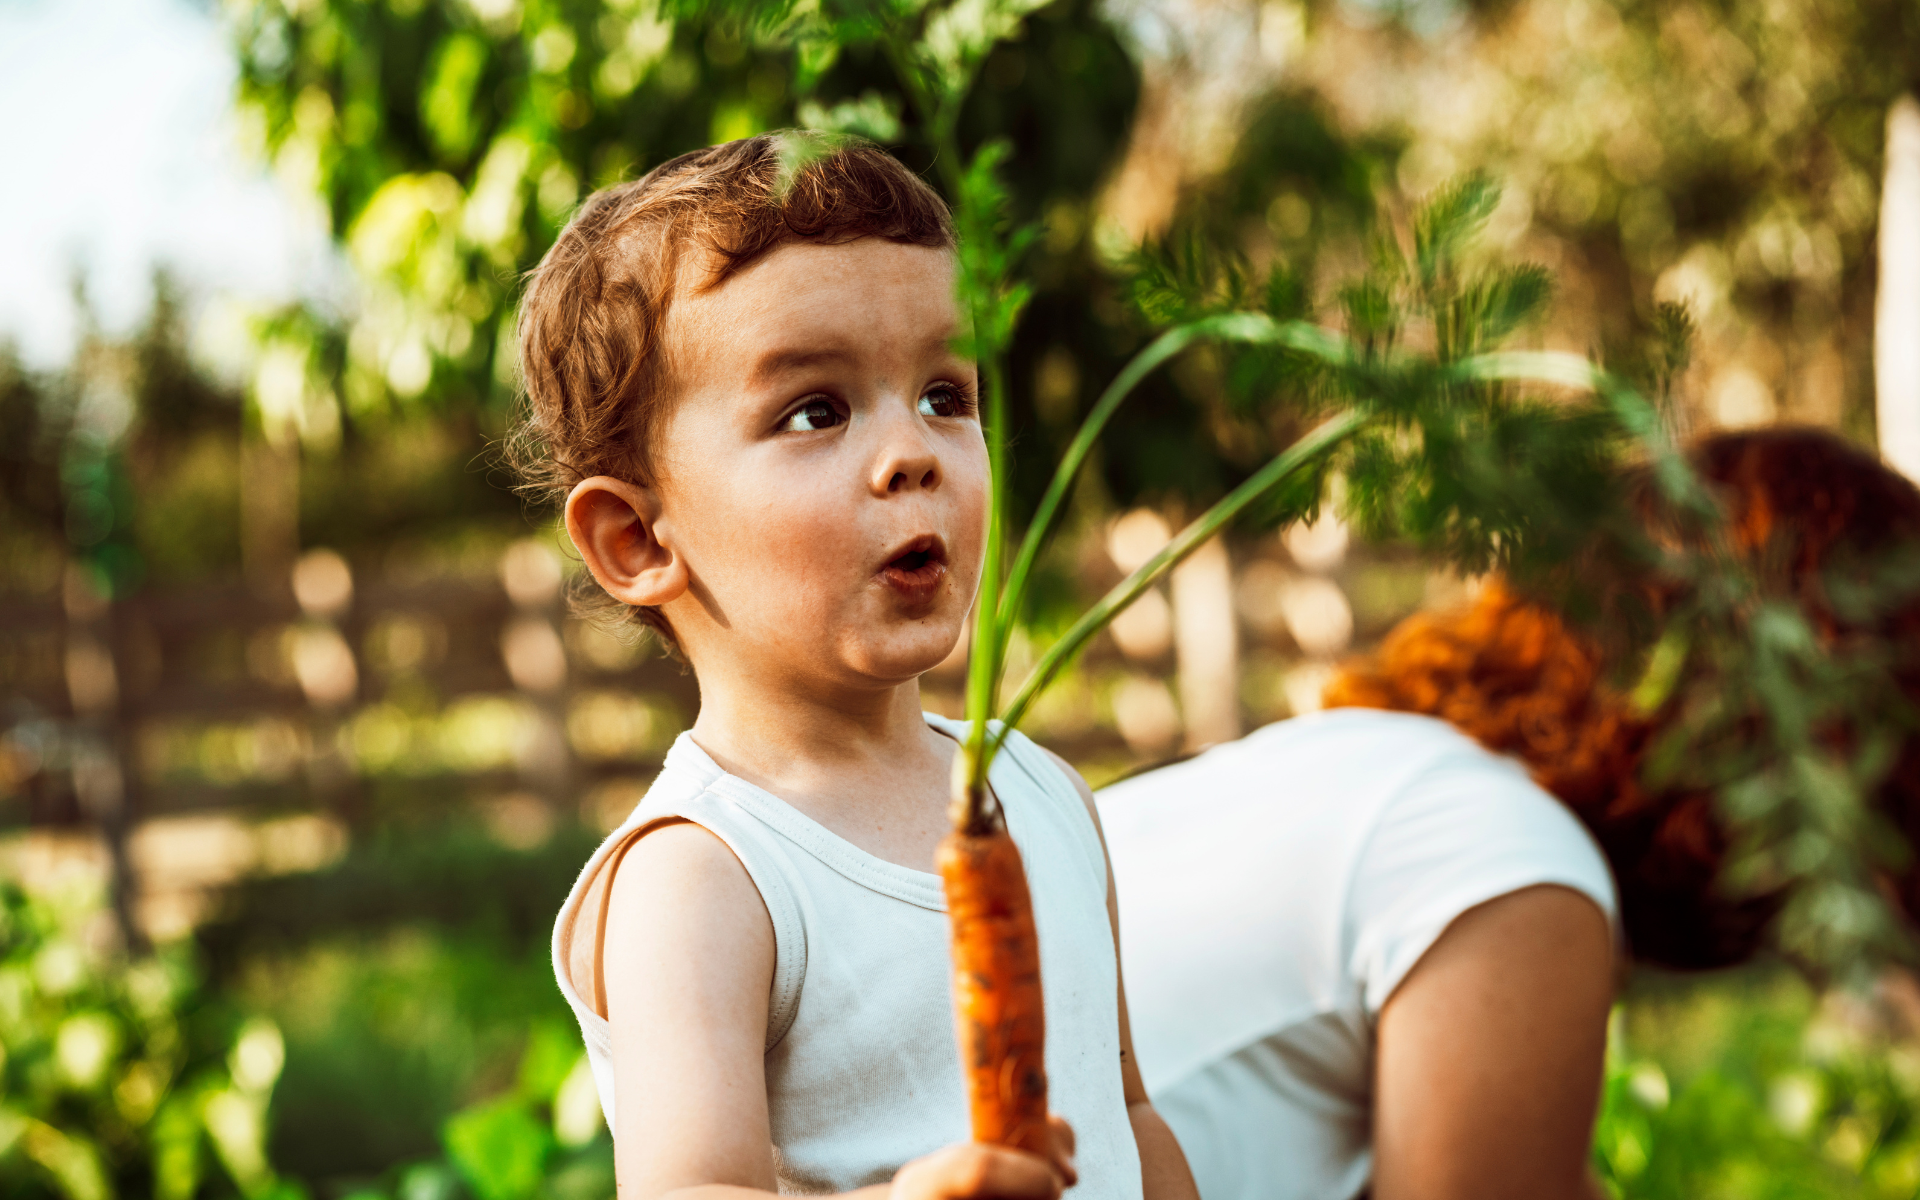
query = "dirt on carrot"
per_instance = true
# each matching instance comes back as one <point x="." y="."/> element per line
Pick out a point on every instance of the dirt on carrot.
<point x="996" y="989"/>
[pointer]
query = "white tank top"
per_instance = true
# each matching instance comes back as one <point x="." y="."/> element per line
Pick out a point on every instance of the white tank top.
<point x="863" y="1072"/>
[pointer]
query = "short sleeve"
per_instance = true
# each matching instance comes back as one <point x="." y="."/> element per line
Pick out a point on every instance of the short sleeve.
<point x="1470" y="828"/>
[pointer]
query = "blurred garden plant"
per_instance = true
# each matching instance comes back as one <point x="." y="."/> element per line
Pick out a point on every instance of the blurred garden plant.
<point x="120" y="1077"/>
<point x="544" y="1137"/>
<point x="1750" y="1086"/>
<point x="125" y="1077"/>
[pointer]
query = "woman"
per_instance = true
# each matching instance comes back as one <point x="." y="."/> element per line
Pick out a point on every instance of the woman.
<point x="1372" y="950"/>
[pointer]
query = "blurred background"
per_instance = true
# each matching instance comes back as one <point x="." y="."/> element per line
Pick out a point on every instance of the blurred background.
<point x="289" y="692"/>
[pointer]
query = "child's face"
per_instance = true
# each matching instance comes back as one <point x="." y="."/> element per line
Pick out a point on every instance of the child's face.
<point x="823" y="473"/>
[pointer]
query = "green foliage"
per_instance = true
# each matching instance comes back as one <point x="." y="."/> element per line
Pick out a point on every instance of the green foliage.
<point x="119" y="1077"/>
<point x="1445" y="448"/>
<point x="499" y="1149"/>
<point x="1188" y="275"/>
<point x="1745" y="1087"/>
<point x="406" y="978"/>
<point x="542" y="1138"/>
<point x="1796" y="736"/>
<point x="1471" y="470"/>
<point x="449" y="142"/>
<point x="447" y="103"/>
<point x="991" y="250"/>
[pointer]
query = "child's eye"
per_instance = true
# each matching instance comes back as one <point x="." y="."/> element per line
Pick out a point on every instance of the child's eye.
<point x="814" y="414"/>
<point x="944" y="400"/>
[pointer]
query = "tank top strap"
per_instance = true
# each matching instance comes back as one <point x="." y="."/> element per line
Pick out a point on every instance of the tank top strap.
<point x="689" y="788"/>
<point x="757" y="849"/>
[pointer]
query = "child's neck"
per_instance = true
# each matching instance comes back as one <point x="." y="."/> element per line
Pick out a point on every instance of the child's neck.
<point x="863" y="763"/>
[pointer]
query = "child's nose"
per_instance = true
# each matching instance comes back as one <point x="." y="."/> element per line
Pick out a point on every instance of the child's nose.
<point x="906" y="463"/>
<point x="904" y="475"/>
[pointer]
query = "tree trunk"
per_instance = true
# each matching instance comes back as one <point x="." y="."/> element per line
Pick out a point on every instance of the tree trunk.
<point x="1206" y="646"/>
<point x="102" y="779"/>
<point x="1896" y="326"/>
<point x="269" y="511"/>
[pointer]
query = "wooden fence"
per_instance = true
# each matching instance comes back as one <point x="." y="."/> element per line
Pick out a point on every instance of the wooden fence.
<point x="335" y="696"/>
<point x="172" y="742"/>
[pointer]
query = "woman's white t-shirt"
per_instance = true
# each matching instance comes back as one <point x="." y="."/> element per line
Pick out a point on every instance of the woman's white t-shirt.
<point x="1274" y="892"/>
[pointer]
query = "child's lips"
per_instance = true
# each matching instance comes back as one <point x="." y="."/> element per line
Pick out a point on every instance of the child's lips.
<point x="916" y="572"/>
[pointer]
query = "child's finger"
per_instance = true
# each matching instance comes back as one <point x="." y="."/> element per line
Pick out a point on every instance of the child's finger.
<point x="1064" y="1142"/>
<point x="974" y="1171"/>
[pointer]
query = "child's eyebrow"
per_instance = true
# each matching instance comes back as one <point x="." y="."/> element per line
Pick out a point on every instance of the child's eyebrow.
<point x="795" y="360"/>
<point x="782" y="362"/>
<point x="770" y="366"/>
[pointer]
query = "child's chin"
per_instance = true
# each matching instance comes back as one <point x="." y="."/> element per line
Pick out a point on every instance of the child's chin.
<point x="912" y="654"/>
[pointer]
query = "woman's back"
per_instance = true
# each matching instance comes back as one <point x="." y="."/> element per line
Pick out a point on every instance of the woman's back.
<point x="1275" y="892"/>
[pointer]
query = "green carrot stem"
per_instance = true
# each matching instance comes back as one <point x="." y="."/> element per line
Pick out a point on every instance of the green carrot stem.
<point x="1237" y="326"/>
<point x="939" y="109"/>
<point x="1323" y="438"/>
<point x="985" y="658"/>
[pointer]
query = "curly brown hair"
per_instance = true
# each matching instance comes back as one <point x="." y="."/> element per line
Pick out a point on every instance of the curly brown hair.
<point x="591" y="319"/>
<point x="1518" y="678"/>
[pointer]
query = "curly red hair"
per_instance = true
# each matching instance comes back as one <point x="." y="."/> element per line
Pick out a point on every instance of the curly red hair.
<point x="1517" y="678"/>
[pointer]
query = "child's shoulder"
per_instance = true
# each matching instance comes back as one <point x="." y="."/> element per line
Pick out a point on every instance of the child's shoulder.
<point x="666" y="896"/>
<point x="1050" y="771"/>
<point x="682" y="880"/>
<point x="667" y="872"/>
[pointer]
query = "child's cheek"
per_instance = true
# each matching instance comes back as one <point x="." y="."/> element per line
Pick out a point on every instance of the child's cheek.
<point x="970" y="490"/>
<point x="809" y="539"/>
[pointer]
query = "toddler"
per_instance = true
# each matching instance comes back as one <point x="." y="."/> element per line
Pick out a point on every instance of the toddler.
<point x="744" y="389"/>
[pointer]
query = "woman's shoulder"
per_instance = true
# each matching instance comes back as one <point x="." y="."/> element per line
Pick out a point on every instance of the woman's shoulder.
<point x="1350" y="796"/>
<point x="1469" y="827"/>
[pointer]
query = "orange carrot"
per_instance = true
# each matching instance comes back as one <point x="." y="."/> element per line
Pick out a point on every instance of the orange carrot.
<point x="996" y="989"/>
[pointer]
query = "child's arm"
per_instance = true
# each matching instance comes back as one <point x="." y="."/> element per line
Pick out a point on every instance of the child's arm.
<point x="1163" y="1167"/>
<point x="688" y="973"/>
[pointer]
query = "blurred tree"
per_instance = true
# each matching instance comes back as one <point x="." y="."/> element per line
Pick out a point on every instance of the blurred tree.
<point x="448" y="142"/>
<point x="1727" y="155"/>
<point x="120" y="462"/>
<point x="38" y="414"/>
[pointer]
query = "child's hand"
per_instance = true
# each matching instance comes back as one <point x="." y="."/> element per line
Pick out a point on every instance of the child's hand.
<point x="975" y="1171"/>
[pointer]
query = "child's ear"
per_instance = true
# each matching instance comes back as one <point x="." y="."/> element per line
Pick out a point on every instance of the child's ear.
<point x="613" y="525"/>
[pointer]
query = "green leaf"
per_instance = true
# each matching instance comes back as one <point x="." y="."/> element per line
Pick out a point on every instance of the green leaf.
<point x="1663" y="670"/>
<point x="552" y="1049"/>
<point x="499" y="1148"/>
<point x="1189" y="274"/>
<point x="1448" y="220"/>
<point x="428" y="1181"/>
<point x="872" y="116"/>
<point x="1500" y="303"/>
<point x="71" y="1161"/>
<point x="447" y="103"/>
<point x="1371" y="312"/>
<point x="1675" y="331"/>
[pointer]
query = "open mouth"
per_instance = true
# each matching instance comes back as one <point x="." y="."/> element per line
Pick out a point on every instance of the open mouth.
<point x="917" y="568"/>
